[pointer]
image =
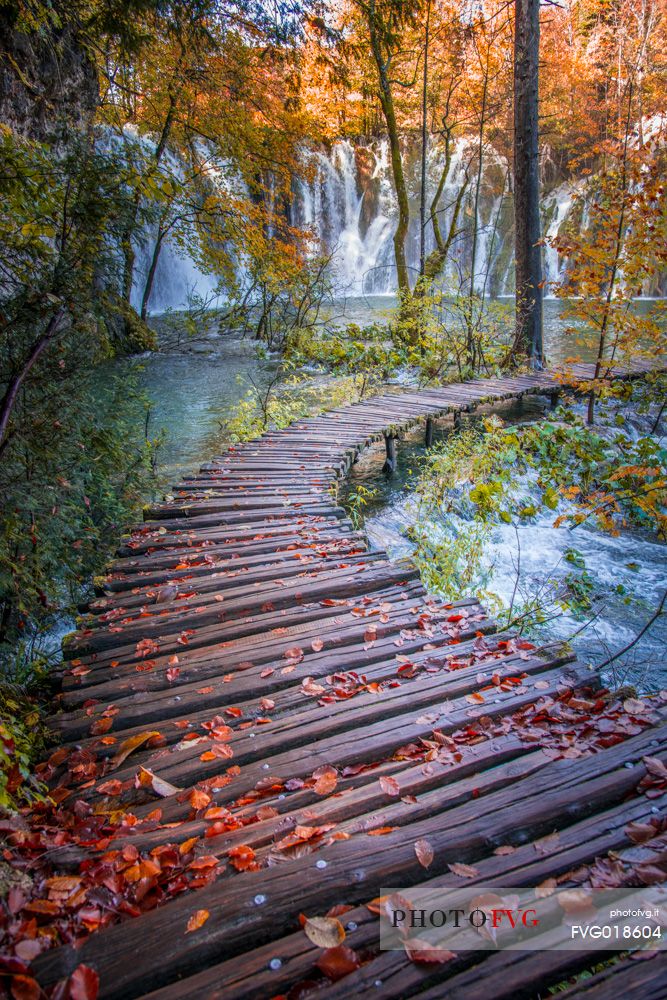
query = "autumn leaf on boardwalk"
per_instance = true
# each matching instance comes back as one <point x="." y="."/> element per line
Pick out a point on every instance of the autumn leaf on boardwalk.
<point x="145" y="647"/>
<point x="390" y="786"/>
<point x="326" y="780"/>
<point x="84" y="984"/>
<point x="545" y="845"/>
<point x="424" y="852"/>
<point x="197" y="920"/>
<point x="25" y="988"/>
<point x="131" y="744"/>
<point x="463" y="871"/>
<point x="198" y="799"/>
<point x="241" y="857"/>
<point x="423" y="953"/>
<point x="294" y="654"/>
<point x="325" y="932"/>
<point x="146" y="779"/>
<point x="338" y="962"/>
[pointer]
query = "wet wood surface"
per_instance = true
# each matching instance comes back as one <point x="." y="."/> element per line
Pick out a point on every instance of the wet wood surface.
<point x="250" y="642"/>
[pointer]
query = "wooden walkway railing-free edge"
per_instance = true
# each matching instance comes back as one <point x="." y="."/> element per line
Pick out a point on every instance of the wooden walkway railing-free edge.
<point x="299" y="684"/>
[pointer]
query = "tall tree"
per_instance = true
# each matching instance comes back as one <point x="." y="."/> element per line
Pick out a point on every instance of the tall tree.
<point x="387" y="21"/>
<point x="422" y="188"/>
<point x="528" y="338"/>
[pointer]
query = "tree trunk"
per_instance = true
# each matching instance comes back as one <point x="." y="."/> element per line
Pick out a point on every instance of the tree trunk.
<point x="15" y="383"/>
<point x="436" y="260"/>
<point x="615" y="265"/>
<point x="528" y="339"/>
<point x="422" y="192"/>
<point x="150" y="277"/>
<point x="401" y="232"/>
<point x="129" y="253"/>
<point x="478" y="187"/>
<point x="389" y="111"/>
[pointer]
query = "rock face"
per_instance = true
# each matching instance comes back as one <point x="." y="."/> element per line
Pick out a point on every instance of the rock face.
<point x="47" y="77"/>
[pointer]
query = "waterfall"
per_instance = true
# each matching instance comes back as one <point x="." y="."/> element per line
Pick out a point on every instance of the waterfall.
<point x="556" y="210"/>
<point x="345" y="198"/>
<point x="349" y="204"/>
<point x="178" y="283"/>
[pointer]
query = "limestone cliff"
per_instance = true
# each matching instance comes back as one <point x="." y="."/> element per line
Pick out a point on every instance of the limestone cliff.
<point x="47" y="76"/>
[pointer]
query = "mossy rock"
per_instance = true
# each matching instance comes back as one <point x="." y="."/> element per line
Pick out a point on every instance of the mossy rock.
<point x="122" y="326"/>
<point x="138" y="334"/>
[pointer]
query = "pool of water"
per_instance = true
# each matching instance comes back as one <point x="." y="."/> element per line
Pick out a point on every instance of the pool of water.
<point x="192" y="393"/>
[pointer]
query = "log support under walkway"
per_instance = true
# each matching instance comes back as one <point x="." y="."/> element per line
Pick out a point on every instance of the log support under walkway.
<point x="391" y="460"/>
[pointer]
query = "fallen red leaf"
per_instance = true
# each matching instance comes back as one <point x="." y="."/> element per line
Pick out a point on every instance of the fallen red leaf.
<point x="338" y="962"/>
<point x="84" y="983"/>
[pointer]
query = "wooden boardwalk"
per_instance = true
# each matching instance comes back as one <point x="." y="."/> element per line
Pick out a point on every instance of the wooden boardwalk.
<point x="315" y="714"/>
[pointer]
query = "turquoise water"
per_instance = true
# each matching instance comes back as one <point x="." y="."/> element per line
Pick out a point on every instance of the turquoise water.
<point x="193" y="389"/>
<point x="192" y="394"/>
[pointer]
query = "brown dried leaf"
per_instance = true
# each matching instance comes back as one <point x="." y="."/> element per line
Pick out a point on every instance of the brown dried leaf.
<point x="545" y="845"/>
<point x="131" y="744"/>
<point x="423" y="952"/>
<point x="424" y="852"/>
<point x="463" y="871"/>
<point x="325" y="932"/>
<point x="146" y="779"/>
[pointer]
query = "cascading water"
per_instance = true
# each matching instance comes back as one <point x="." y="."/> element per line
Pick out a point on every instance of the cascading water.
<point x="346" y="199"/>
<point x="348" y="202"/>
<point x="178" y="282"/>
<point x="556" y="210"/>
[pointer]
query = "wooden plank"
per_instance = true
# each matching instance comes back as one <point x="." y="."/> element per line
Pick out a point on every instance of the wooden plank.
<point x="641" y="977"/>
<point x="354" y="871"/>
<point x="125" y="659"/>
<point x="237" y="669"/>
<point x="241" y="628"/>
<point x="265" y="560"/>
<point x="253" y="975"/>
<point x="349" y="747"/>
<point x="242" y="602"/>
<point x="316" y="726"/>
